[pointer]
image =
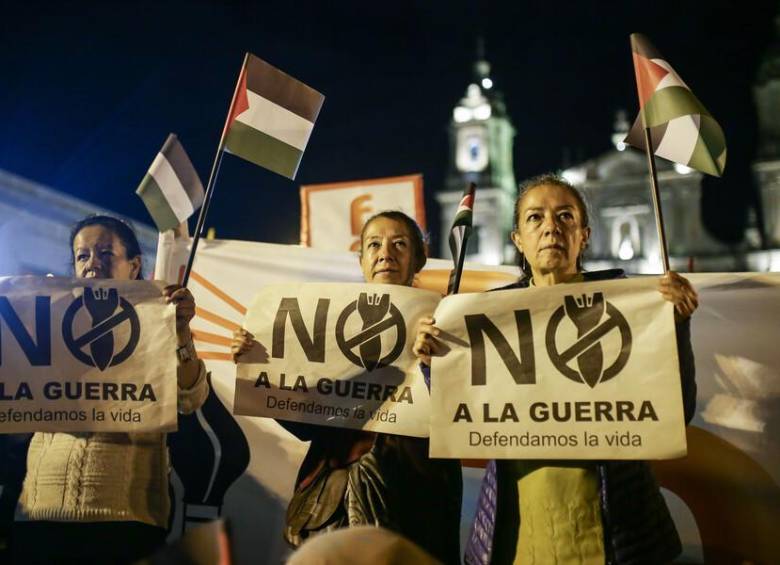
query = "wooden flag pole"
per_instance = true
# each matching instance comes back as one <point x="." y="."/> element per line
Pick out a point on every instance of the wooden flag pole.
<point x="659" y="219"/>
<point x="200" y="227"/>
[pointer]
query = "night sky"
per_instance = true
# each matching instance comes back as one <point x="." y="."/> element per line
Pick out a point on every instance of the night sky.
<point x="89" y="91"/>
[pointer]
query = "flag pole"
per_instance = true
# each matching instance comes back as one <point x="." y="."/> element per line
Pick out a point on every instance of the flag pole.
<point x="455" y="275"/>
<point x="200" y="226"/>
<point x="659" y="219"/>
<point x="457" y="272"/>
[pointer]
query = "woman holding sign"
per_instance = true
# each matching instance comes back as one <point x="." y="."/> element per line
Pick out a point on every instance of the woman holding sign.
<point x="103" y="497"/>
<point x="351" y="477"/>
<point x="533" y="511"/>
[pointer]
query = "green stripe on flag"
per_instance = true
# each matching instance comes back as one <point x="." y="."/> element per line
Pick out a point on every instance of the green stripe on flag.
<point x="157" y="204"/>
<point x="462" y="218"/>
<point x="709" y="154"/>
<point x="263" y="150"/>
<point x="670" y="103"/>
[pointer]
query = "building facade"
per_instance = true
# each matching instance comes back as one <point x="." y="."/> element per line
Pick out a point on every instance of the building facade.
<point x="35" y="226"/>
<point x="617" y="188"/>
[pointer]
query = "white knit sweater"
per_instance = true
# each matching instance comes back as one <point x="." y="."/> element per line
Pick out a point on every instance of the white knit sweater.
<point x="101" y="477"/>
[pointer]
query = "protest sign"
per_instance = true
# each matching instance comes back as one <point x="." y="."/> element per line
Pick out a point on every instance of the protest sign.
<point x="243" y="468"/>
<point x="336" y="355"/>
<point x="86" y="355"/>
<point x="576" y="371"/>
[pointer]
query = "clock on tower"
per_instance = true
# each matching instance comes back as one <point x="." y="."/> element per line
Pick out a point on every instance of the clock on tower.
<point x="481" y="138"/>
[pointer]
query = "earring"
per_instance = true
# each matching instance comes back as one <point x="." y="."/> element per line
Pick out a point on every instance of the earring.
<point x="524" y="268"/>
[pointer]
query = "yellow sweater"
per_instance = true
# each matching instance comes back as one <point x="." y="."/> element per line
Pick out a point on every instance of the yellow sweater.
<point x="101" y="477"/>
<point x="560" y="514"/>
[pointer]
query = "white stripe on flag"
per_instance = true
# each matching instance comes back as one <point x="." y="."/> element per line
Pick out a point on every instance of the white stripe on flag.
<point x="679" y="140"/>
<point x="276" y="121"/>
<point x="672" y="79"/>
<point x="163" y="174"/>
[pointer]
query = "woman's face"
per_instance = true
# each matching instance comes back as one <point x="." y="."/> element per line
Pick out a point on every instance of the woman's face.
<point x="98" y="253"/>
<point x="549" y="230"/>
<point x="386" y="253"/>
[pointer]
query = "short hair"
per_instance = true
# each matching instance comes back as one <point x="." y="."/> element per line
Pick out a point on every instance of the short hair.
<point x="554" y="180"/>
<point x="419" y="241"/>
<point x="121" y="229"/>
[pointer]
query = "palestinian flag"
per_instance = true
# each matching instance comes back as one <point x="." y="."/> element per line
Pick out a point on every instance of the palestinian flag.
<point x="171" y="189"/>
<point x="271" y="117"/>
<point x="459" y="233"/>
<point x="681" y="129"/>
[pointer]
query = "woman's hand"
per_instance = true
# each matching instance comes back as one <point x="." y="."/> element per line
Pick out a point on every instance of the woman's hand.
<point x="242" y="342"/>
<point x="185" y="309"/>
<point x="678" y="290"/>
<point x="426" y="345"/>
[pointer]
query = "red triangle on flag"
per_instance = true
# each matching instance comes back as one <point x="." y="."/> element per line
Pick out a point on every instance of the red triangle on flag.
<point x="240" y="101"/>
<point x="648" y="75"/>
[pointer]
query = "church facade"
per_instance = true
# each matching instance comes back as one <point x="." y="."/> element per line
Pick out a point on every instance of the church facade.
<point x="617" y="189"/>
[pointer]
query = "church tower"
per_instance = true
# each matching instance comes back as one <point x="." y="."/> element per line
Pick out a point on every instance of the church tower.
<point x="481" y="138"/>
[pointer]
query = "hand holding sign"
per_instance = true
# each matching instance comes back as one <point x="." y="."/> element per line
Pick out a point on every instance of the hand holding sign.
<point x="427" y="343"/>
<point x="241" y="343"/>
<point x="185" y="307"/>
<point x="678" y="290"/>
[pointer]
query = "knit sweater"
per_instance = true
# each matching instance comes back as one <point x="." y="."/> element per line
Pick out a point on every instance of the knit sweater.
<point x="102" y="477"/>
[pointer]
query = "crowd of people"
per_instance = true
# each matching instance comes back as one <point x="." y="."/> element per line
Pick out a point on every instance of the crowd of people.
<point x="112" y="488"/>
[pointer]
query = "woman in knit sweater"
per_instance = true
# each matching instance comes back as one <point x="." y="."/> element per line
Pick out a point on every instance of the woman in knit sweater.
<point x="103" y="497"/>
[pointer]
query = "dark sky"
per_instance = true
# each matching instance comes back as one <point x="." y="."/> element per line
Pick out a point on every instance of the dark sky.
<point x="89" y="91"/>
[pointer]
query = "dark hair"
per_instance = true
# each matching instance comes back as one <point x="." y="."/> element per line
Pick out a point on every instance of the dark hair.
<point x="122" y="230"/>
<point x="540" y="180"/>
<point x="419" y="247"/>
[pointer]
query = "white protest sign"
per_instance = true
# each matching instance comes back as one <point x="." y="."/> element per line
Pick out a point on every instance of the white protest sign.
<point x="86" y="355"/>
<point x="575" y="371"/>
<point x="337" y="355"/>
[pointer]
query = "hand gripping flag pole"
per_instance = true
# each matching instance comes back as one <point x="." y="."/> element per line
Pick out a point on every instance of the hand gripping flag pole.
<point x="672" y="124"/>
<point x="269" y="123"/>
<point x="459" y="235"/>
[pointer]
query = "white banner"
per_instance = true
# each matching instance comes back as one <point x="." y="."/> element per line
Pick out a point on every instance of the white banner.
<point x="337" y="355"/>
<point x="243" y="468"/>
<point x="576" y="371"/>
<point x="86" y="355"/>
<point x="333" y="214"/>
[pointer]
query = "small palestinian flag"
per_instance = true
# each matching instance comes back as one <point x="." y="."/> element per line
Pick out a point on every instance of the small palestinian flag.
<point x="459" y="233"/>
<point x="681" y="129"/>
<point x="171" y="190"/>
<point x="271" y="117"/>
